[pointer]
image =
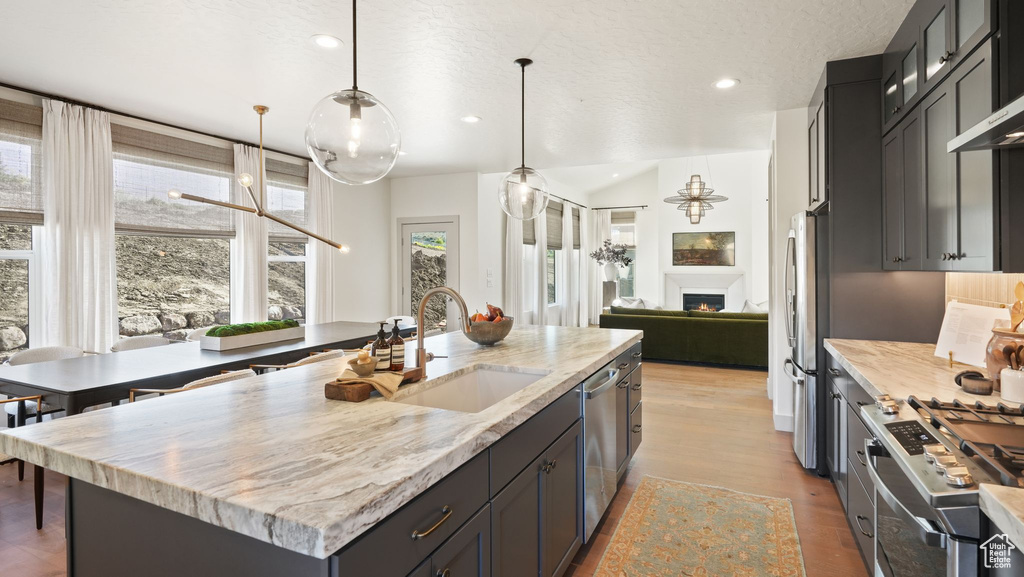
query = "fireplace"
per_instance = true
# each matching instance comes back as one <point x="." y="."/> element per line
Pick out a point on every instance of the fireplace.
<point x="703" y="302"/>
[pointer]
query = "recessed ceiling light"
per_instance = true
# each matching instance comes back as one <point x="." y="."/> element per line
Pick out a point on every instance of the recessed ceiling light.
<point x="326" y="40"/>
<point x="616" y="175"/>
<point x="1015" y="135"/>
<point x="726" y="83"/>
<point x="470" y="119"/>
<point x="402" y="153"/>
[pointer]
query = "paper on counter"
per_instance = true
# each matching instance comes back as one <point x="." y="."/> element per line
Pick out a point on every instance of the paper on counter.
<point x="966" y="331"/>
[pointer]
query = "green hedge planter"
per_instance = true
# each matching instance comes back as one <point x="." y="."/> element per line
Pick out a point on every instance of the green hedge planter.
<point x="250" y="328"/>
<point x="227" y="337"/>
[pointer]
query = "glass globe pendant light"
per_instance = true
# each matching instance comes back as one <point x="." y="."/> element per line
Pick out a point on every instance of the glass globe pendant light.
<point x="351" y="136"/>
<point x="523" y="193"/>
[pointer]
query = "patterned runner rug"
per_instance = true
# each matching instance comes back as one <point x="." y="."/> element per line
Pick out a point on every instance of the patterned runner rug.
<point x="675" y="529"/>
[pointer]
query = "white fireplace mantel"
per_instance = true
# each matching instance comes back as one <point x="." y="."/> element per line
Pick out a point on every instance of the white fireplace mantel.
<point x="730" y="285"/>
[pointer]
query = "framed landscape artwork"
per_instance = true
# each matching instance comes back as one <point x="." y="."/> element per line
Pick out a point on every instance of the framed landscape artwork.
<point x="704" y="249"/>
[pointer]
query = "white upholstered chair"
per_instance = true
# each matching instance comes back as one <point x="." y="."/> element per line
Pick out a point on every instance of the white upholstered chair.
<point x="196" y="384"/>
<point x="37" y="355"/>
<point x="195" y="334"/>
<point x="312" y="358"/>
<point x="143" y="342"/>
<point x="38" y="471"/>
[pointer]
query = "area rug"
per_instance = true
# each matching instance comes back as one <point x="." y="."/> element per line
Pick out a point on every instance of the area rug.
<point x="678" y="529"/>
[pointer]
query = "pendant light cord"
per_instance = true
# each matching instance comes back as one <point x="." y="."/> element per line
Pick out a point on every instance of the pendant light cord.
<point x="522" y="131"/>
<point x="355" y="85"/>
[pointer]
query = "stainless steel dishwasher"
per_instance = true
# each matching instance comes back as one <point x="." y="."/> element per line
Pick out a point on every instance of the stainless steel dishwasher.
<point x="600" y="454"/>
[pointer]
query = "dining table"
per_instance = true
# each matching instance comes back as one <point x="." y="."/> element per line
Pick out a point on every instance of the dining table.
<point x="91" y="380"/>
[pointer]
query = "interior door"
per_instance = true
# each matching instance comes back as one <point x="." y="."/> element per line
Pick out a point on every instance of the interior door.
<point x="429" y="258"/>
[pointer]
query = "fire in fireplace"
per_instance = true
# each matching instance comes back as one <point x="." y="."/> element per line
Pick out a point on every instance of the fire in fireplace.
<point x="703" y="302"/>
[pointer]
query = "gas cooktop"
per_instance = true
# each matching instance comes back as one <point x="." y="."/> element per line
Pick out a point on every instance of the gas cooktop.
<point x="992" y="436"/>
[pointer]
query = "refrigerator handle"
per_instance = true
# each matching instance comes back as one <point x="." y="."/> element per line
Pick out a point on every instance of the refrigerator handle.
<point x="790" y="290"/>
<point x="787" y="366"/>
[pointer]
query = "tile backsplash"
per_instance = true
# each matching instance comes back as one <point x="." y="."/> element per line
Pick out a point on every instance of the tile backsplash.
<point x="985" y="289"/>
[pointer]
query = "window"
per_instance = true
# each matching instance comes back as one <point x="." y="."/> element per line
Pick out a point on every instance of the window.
<point x="624" y="232"/>
<point x="20" y="209"/>
<point x="173" y="257"/>
<point x="286" y="280"/>
<point x="552" y="277"/>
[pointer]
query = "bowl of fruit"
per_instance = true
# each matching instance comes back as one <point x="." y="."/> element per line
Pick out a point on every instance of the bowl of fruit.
<point x="491" y="328"/>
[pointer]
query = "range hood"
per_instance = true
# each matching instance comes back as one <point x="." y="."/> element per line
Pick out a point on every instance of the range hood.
<point x="1004" y="128"/>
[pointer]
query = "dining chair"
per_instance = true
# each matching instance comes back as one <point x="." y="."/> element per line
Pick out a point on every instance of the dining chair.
<point x="37" y="470"/>
<point x="37" y="355"/>
<point x="196" y="384"/>
<point x="312" y="358"/>
<point x="195" y="334"/>
<point x="143" y="342"/>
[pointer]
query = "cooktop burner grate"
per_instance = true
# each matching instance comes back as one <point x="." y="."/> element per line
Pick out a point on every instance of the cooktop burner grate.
<point x="994" y="436"/>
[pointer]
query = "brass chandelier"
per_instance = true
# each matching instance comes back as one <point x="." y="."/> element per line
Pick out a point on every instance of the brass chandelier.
<point x="246" y="181"/>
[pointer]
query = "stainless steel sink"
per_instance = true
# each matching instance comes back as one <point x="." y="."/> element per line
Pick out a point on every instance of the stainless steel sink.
<point x="475" y="390"/>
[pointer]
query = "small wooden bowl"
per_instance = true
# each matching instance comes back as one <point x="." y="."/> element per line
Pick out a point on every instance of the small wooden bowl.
<point x="363" y="370"/>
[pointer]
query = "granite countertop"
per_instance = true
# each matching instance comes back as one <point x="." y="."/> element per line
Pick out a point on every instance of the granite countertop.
<point x="904" y="369"/>
<point x="271" y="458"/>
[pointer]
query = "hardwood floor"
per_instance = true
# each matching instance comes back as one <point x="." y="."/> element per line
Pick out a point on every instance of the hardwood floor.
<point x="714" y="426"/>
<point x="701" y="425"/>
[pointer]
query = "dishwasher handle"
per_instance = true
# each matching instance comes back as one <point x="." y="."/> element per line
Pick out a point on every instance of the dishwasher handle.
<point x="593" y="390"/>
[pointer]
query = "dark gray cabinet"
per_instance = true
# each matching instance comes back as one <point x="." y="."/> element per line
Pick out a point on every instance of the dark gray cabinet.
<point x="468" y="552"/>
<point x="422" y="571"/>
<point x="835" y="450"/>
<point x="536" y="521"/>
<point x="902" y="194"/>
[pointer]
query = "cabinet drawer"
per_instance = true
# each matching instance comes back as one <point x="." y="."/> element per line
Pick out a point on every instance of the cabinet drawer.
<point x="468" y="552"/>
<point x="636" y="391"/>
<point x="421" y="571"/>
<point x="861" y="515"/>
<point x="839" y="376"/>
<point x="635" y="356"/>
<point x="516" y="450"/>
<point x="636" y="434"/>
<point x="624" y="362"/>
<point x="443" y="507"/>
<point x="857" y="433"/>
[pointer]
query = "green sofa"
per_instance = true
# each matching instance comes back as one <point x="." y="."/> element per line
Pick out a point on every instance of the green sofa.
<point x="739" y="339"/>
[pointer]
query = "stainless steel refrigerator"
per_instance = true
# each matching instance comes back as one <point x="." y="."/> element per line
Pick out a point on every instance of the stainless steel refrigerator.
<point x="803" y="332"/>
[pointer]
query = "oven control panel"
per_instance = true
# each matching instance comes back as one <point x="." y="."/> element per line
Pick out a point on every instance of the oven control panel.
<point x="911" y="436"/>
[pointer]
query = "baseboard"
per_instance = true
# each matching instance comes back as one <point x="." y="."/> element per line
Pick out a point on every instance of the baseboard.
<point x="783" y="422"/>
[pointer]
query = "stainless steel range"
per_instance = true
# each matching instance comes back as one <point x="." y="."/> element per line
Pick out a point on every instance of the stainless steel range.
<point x="926" y="468"/>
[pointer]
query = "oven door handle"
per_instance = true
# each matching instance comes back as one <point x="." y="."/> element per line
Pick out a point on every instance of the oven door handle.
<point x="924" y="529"/>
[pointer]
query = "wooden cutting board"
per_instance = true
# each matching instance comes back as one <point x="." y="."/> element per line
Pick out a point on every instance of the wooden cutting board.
<point x="359" y="392"/>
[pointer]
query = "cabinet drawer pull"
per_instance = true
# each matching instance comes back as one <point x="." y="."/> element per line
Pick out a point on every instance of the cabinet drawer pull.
<point x="446" y="512"/>
<point x="834" y="372"/>
<point x="946" y="57"/>
<point x="835" y="395"/>
<point x="446" y="573"/>
<point x="623" y="366"/>
<point x="623" y="384"/>
<point x="637" y="355"/>
<point x="637" y="428"/>
<point x="861" y="461"/>
<point x="860" y="527"/>
<point x="547" y="467"/>
<point x="637" y="386"/>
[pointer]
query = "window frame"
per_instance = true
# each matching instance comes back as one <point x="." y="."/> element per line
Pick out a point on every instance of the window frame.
<point x="632" y="267"/>
<point x="35" y="300"/>
<point x="303" y="258"/>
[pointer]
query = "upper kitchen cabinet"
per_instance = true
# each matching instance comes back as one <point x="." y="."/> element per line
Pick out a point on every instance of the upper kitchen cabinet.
<point x="936" y="36"/>
<point x="902" y="215"/>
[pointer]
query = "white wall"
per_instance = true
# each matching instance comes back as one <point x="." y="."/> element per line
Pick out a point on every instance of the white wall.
<point x="789" y="197"/>
<point x="743" y="177"/>
<point x="362" y="277"/>
<point x="442" y="195"/>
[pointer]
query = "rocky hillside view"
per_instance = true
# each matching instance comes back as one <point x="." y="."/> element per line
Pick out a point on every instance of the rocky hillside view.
<point x="429" y="269"/>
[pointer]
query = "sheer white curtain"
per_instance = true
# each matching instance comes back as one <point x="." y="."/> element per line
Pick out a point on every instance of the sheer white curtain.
<point x="584" y="270"/>
<point x="600" y="230"/>
<point x="79" y="279"/>
<point x="540" y="263"/>
<point x="249" y="257"/>
<point x="321" y="256"/>
<point x="569" y="288"/>
<point x="513" y="305"/>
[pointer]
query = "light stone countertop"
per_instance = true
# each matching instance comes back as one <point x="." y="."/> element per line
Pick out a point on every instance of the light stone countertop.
<point x="904" y="369"/>
<point x="271" y="458"/>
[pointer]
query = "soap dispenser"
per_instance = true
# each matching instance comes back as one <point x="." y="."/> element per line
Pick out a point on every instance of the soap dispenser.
<point x="397" y="349"/>
<point x="381" y="349"/>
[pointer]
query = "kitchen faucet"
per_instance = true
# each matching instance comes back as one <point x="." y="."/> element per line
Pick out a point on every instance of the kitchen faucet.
<point x="422" y="356"/>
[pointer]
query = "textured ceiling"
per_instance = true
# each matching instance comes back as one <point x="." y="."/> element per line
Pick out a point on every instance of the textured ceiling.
<point x="614" y="80"/>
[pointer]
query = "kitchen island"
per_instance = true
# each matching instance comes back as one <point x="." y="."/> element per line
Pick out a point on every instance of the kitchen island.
<point x="265" y="475"/>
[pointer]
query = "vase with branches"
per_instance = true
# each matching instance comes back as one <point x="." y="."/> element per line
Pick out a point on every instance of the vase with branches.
<point x="611" y="257"/>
